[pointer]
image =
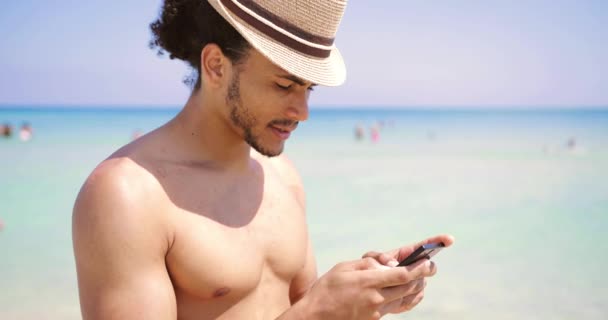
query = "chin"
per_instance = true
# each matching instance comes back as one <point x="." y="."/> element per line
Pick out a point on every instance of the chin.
<point x="272" y="153"/>
<point x="269" y="151"/>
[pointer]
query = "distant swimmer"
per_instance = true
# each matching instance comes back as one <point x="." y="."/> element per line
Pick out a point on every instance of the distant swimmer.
<point x="571" y="144"/>
<point x="7" y="130"/>
<point x="26" y="132"/>
<point x="375" y="133"/>
<point x="359" y="132"/>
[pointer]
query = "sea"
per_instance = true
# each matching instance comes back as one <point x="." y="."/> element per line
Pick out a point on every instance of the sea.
<point x="523" y="191"/>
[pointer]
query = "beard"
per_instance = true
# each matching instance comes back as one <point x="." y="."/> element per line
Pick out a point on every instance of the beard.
<point x="242" y="118"/>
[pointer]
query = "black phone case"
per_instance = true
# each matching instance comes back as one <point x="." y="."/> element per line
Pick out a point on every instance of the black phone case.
<point x="423" y="252"/>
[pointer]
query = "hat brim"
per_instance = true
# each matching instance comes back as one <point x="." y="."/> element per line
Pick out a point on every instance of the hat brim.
<point x="329" y="71"/>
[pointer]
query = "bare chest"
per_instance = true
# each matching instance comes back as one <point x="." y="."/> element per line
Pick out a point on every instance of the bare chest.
<point x="234" y="242"/>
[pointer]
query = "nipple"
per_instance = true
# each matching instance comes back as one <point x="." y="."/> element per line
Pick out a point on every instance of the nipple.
<point x="221" y="292"/>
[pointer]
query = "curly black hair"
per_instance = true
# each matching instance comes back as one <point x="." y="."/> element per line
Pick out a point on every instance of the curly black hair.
<point x="185" y="27"/>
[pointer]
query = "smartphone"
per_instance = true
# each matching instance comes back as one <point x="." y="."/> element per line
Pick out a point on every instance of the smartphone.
<point x="423" y="252"/>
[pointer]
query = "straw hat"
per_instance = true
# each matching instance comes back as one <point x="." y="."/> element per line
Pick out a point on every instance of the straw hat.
<point x="296" y="35"/>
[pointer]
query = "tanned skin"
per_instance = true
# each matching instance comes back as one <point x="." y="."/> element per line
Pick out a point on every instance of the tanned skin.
<point x="191" y="222"/>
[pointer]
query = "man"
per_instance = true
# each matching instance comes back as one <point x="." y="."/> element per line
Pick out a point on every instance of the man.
<point x="203" y="218"/>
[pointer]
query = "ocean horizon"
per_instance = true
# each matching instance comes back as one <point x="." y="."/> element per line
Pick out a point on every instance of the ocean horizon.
<point x="482" y="108"/>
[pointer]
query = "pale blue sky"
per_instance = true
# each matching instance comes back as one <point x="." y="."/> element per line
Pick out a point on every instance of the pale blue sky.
<point x="434" y="53"/>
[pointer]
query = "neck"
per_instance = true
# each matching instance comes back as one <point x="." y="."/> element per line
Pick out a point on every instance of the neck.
<point x="206" y="136"/>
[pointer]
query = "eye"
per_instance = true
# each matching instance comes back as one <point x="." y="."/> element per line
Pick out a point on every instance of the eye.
<point x="311" y="88"/>
<point x="284" y="87"/>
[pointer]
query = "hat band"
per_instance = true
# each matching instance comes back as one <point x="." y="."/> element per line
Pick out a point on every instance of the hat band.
<point x="311" y="49"/>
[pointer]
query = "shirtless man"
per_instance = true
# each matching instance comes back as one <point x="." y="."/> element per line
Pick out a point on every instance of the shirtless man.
<point x="203" y="218"/>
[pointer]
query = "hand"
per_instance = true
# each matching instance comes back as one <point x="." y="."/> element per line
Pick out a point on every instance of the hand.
<point x="392" y="259"/>
<point x="364" y="289"/>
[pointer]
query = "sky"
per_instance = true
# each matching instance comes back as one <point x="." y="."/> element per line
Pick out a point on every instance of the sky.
<point x="398" y="53"/>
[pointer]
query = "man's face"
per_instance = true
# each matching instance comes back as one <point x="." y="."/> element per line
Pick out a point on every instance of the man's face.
<point x="266" y="103"/>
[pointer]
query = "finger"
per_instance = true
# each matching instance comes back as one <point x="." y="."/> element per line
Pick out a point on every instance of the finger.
<point x="368" y="264"/>
<point x="424" y="267"/>
<point x="391" y="307"/>
<point x="446" y="239"/>
<point x="371" y="254"/>
<point x="402" y="303"/>
<point x="384" y="258"/>
<point x="388" y="277"/>
<point x="359" y="264"/>
<point x="398" y="292"/>
<point x="408" y="303"/>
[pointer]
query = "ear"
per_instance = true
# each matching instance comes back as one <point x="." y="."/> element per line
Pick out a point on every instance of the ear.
<point x="214" y="66"/>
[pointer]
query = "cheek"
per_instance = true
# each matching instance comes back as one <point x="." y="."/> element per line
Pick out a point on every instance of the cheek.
<point x="263" y="100"/>
<point x="264" y="106"/>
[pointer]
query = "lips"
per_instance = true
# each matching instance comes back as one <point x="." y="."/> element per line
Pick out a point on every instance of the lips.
<point x="281" y="132"/>
<point x="282" y="129"/>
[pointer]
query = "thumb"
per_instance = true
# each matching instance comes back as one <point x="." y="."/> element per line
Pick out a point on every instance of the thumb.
<point x="383" y="258"/>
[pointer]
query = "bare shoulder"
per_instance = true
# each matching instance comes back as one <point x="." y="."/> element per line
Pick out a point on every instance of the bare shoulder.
<point x="118" y="194"/>
<point x="115" y="181"/>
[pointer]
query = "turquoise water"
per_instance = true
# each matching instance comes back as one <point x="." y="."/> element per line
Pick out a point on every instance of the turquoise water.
<point x="528" y="212"/>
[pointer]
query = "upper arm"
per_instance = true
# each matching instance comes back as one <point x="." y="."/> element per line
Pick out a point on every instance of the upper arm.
<point x="119" y="246"/>
<point x="304" y="280"/>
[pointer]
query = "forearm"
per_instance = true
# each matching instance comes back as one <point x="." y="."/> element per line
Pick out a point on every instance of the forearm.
<point x="301" y="310"/>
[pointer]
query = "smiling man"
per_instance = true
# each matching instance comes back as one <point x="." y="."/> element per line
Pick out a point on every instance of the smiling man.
<point x="204" y="218"/>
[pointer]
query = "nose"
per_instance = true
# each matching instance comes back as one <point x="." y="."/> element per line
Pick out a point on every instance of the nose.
<point x="298" y="107"/>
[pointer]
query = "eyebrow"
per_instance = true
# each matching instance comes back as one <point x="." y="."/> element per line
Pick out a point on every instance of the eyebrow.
<point x="296" y="79"/>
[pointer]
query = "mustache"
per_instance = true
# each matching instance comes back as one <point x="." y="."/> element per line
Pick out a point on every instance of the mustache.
<point x="284" y="123"/>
